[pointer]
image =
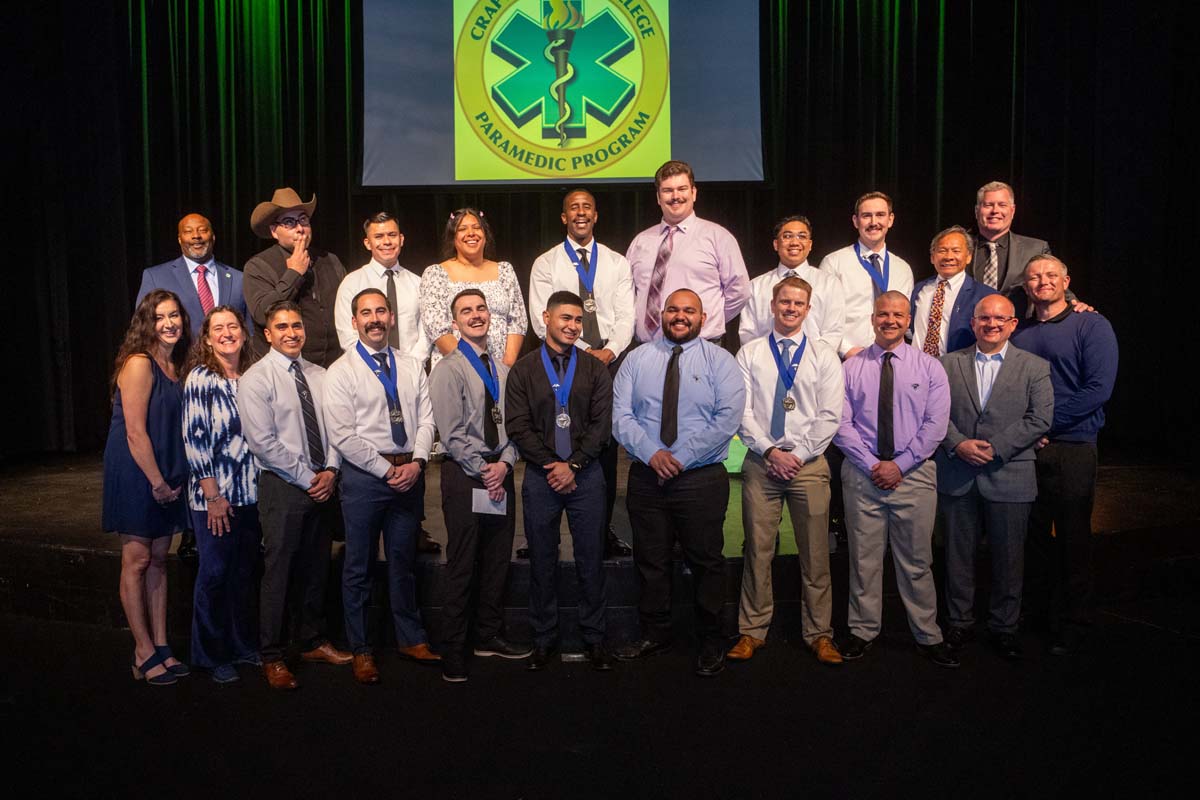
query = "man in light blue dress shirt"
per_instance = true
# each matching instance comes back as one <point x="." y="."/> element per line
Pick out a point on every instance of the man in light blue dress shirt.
<point x="677" y="401"/>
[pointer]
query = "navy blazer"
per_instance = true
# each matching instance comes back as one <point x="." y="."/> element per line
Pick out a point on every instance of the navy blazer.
<point x="959" y="334"/>
<point x="174" y="277"/>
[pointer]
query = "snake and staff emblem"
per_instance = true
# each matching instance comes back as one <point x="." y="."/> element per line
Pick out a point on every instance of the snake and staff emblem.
<point x="561" y="19"/>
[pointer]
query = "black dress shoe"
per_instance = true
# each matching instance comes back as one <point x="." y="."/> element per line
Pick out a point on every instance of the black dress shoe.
<point x="540" y="659"/>
<point x="939" y="653"/>
<point x="852" y="647"/>
<point x="958" y="638"/>
<point x="502" y="648"/>
<point x="710" y="662"/>
<point x="598" y="655"/>
<point x="615" y="547"/>
<point x="187" y="547"/>
<point x="523" y="553"/>
<point x="641" y="649"/>
<point x="1007" y="646"/>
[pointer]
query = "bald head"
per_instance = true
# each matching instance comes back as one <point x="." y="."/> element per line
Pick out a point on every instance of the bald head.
<point x="993" y="323"/>
<point x="683" y="316"/>
<point x="196" y="237"/>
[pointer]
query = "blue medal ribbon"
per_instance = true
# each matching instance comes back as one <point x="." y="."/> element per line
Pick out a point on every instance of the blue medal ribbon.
<point x="787" y="374"/>
<point x="588" y="276"/>
<point x="562" y="391"/>
<point x="879" y="280"/>
<point x="389" y="385"/>
<point x="491" y="381"/>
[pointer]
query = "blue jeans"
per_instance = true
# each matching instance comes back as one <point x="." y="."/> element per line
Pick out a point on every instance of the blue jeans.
<point x="223" y="629"/>
<point x="368" y="506"/>
<point x="543" y="509"/>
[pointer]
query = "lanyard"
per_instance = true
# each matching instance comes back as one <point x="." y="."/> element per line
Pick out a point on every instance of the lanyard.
<point x="490" y="382"/>
<point x="562" y="391"/>
<point x="880" y="280"/>
<point x="787" y="374"/>
<point x="588" y="277"/>
<point x="389" y="384"/>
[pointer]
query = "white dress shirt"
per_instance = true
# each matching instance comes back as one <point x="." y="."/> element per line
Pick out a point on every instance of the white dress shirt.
<point x="356" y="410"/>
<point x="612" y="288"/>
<point x="858" y="294"/>
<point x="925" y="301"/>
<point x="273" y="421"/>
<point x="826" y="313"/>
<point x="818" y="391"/>
<point x="210" y="277"/>
<point x="373" y="275"/>
<point x="986" y="369"/>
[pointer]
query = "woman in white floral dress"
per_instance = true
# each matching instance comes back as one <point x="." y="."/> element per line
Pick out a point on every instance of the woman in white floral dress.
<point x="467" y="247"/>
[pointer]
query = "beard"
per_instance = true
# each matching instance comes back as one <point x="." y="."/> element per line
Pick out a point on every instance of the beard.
<point x="692" y="332"/>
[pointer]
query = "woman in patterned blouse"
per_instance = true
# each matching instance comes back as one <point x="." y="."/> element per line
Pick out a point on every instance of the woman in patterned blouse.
<point x="467" y="248"/>
<point x="223" y="498"/>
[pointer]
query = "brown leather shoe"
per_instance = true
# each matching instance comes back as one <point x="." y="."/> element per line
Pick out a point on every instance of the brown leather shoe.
<point x="826" y="652"/>
<point x="279" y="676"/>
<point x="745" y="647"/>
<point x="365" y="670"/>
<point x="420" y="653"/>
<point x="329" y="654"/>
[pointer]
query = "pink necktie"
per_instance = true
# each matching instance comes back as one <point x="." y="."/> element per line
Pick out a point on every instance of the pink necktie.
<point x="654" y="295"/>
<point x="206" y="298"/>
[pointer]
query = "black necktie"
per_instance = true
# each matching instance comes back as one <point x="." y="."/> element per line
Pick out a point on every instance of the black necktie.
<point x="670" y="401"/>
<point x="875" y="290"/>
<point x="591" y="325"/>
<point x="312" y="428"/>
<point x="491" y="434"/>
<point x="383" y="363"/>
<point x="886" y="445"/>
<point x="562" y="436"/>
<point x="394" y="333"/>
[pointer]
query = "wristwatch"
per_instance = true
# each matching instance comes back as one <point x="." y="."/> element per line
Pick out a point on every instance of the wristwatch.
<point x="420" y="462"/>
<point x="575" y="466"/>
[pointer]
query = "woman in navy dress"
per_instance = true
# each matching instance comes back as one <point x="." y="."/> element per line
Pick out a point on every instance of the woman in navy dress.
<point x="223" y="498"/>
<point x="144" y="473"/>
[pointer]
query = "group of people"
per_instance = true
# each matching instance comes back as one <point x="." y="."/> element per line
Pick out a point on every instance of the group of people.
<point x="312" y="398"/>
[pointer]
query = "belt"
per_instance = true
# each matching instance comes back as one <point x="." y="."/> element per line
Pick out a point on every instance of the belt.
<point x="487" y="459"/>
<point x="397" y="459"/>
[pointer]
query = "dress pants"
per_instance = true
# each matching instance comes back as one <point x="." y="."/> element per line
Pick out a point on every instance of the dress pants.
<point x="967" y="516"/>
<point x="807" y="496"/>
<point x="1059" y="548"/>
<point x="689" y="508"/>
<point x="223" y="627"/>
<point x="368" y="506"/>
<point x="478" y="552"/>
<point x="295" y="532"/>
<point x="543" y="508"/>
<point x="902" y="517"/>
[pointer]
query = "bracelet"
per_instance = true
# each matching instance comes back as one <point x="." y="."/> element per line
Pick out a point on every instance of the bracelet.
<point x="213" y="499"/>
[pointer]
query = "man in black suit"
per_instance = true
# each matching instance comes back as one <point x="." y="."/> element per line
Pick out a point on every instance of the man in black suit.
<point x="1000" y="254"/>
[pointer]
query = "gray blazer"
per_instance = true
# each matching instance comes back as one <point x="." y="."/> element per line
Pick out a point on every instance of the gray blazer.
<point x="1019" y="412"/>
<point x="1020" y="250"/>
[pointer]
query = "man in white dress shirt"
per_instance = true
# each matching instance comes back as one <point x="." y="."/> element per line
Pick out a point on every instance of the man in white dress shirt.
<point x="792" y="240"/>
<point x="794" y="397"/>
<point x="946" y="302"/>
<point x="379" y="418"/>
<point x="867" y="269"/>
<point x="279" y="401"/>
<point x="384" y="240"/>
<point x="583" y="266"/>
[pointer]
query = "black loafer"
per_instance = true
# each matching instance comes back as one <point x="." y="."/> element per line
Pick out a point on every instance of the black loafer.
<point x="598" y="655"/>
<point x="1007" y="646"/>
<point x="853" y="648"/>
<point x="710" y="662"/>
<point x="939" y="654"/>
<point x="641" y="649"/>
<point x="540" y="659"/>
<point x="958" y="638"/>
<point x="615" y="547"/>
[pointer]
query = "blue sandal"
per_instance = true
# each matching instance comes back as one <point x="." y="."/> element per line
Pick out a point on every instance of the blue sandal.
<point x="140" y="670"/>
<point x="179" y="670"/>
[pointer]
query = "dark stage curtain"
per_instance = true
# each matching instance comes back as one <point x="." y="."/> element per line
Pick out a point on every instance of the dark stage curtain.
<point x="127" y="115"/>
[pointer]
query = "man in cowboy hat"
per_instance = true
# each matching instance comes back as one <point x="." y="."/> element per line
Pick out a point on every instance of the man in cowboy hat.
<point x="291" y="269"/>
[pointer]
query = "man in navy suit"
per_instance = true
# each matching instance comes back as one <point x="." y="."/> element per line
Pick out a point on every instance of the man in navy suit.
<point x="943" y="305"/>
<point x="222" y="283"/>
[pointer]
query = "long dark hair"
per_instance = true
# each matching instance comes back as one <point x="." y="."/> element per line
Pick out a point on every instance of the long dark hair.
<point x="448" y="235"/>
<point x="140" y="339"/>
<point x="202" y="354"/>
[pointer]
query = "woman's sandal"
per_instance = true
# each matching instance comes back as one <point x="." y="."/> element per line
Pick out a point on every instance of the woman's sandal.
<point x="140" y="670"/>
<point x="180" y="670"/>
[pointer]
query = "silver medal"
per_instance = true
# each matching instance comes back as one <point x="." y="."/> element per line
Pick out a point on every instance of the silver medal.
<point x="496" y="418"/>
<point x="789" y="403"/>
<point x="396" y="416"/>
<point x="589" y="306"/>
<point x="563" y="420"/>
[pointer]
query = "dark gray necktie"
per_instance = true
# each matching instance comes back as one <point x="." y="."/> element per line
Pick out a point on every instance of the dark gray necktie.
<point x="669" y="431"/>
<point x="394" y="333"/>
<point x="591" y="325"/>
<point x="399" y="434"/>
<point x="886" y="445"/>
<point x="312" y="427"/>
<point x="562" y="436"/>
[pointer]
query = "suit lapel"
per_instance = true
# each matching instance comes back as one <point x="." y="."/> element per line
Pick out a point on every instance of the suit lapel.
<point x="1008" y="370"/>
<point x="966" y="363"/>
<point x="183" y="279"/>
<point x="225" y="281"/>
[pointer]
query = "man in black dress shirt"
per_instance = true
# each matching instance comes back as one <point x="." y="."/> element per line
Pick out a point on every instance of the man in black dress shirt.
<point x="559" y="406"/>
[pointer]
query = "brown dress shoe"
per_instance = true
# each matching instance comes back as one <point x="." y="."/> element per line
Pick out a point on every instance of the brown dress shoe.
<point x="420" y="653"/>
<point x="365" y="670"/>
<point x="279" y="676"/>
<point x="826" y="652"/>
<point x="329" y="654"/>
<point x="744" y="649"/>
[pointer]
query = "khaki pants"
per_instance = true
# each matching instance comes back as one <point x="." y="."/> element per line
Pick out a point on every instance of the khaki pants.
<point x="807" y="496"/>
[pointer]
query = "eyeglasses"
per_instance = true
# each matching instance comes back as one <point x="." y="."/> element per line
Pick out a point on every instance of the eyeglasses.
<point x="994" y="320"/>
<point x="788" y="236"/>
<point x="292" y="222"/>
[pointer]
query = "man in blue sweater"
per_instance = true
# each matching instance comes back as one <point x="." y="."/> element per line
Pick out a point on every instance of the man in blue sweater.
<point x="1082" y="351"/>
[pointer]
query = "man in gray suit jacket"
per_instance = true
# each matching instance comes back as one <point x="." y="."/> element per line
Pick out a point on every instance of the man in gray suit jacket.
<point x="196" y="263"/>
<point x="1000" y="254"/>
<point x="1001" y="403"/>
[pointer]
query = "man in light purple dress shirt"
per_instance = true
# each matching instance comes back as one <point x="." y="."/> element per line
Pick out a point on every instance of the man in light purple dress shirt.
<point x="685" y="252"/>
<point x="894" y="417"/>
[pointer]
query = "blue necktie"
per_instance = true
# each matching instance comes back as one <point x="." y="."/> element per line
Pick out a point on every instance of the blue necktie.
<point x="778" y="413"/>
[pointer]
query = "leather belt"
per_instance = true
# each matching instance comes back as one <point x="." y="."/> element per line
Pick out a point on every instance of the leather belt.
<point x="397" y="459"/>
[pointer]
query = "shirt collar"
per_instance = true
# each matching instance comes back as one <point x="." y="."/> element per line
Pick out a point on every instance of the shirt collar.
<point x="876" y="352"/>
<point x="994" y="356"/>
<point x="781" y="271"/>
<point x="668" y="345"/>
<point x="192" y="264"/>
<point x="955" y="282"/>
<point x="382" y="270"/>
<point x="283" y="361"/>
<point x="1000" y="243"/>
<point x="574" y="245"/>
<point x="866" y="252"/>
<point x="371" y="350"/>
<point x="683" y="226"/>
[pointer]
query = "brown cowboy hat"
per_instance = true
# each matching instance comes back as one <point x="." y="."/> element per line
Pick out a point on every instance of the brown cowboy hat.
<point x="284" y="199"/>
